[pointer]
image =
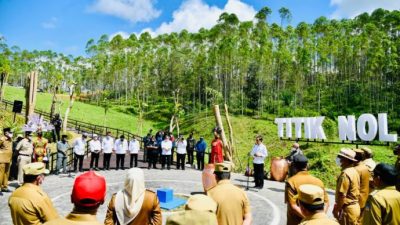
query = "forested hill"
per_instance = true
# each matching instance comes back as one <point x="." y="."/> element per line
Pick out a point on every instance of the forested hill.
<point x="329" y="68"/>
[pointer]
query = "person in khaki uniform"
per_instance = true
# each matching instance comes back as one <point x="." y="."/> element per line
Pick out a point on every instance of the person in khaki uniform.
<point x="134" y="205"/>
<point x="347" y="209"/>
<point x="88" y="194"/>
<point x="25" y="151"/>
<point x="199" y="210"/>
<point x="5" y="159"/>
<point x="301" y="177"/>
<point x="311" y="203"/>
<point x="29" y="204"/>
<point x="383" y="206"/>
<point x="364" y="174"/>
<point x="233" y="204"/>
<point x="370" y="164"/>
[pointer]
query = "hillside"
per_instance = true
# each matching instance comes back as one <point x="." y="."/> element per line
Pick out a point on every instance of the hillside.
<point x="322" y="156"/>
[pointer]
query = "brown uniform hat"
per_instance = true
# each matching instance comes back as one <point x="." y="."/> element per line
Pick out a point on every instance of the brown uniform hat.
<point x="223" y="167"/>
<point x="348" y="154"/>
<point x="36" y="168"/>
<point x="311" y="194"/>
<point x="202" y="203"/>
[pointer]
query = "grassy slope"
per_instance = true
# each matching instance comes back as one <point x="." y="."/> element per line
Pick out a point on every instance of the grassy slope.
<point x="322" y="156"/>
<point x="85" y="112"/>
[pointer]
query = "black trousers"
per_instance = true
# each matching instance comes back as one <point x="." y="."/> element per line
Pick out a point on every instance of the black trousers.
<point x="180" y="161"/>
<point x="152" y="156"/>
<point x="106" y="161"/>
<point x="200" y="160"/>
<point x="80" y="159"/>
<point x="190" y="156"/>
<point x="120" y="161"/>
<point x="166" y="159"/>
<point x="56" y="134"/>
<point x="259" y="174"/>
<point x="133" y="157"/>
<point x="94" y="159"/>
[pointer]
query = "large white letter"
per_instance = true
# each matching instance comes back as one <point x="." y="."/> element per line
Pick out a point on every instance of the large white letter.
<point x="383" y="129"/>
<point x="372" y="127"/>
<point x="317" y="131"/>
<point x="347" y="128"/>
<point x="307" y="128"/>
<point x="297" y="126"/>
<point x="280" y="122"/>
<point x="288" y="127"/>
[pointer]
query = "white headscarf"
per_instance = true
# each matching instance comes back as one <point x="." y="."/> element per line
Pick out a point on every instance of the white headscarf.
<point x="129" y="201"/>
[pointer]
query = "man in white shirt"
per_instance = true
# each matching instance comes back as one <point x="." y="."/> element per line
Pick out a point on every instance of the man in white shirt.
<point x="79" y="146"/>
<point x="134" y="148"/>
<point x="181" y="145"/>
<point x="166" y="152"/>
<point x="259" y="152"/>
<point x="107" y="146"/>
<point x="95" y="149"/>
<point x="121" y="147"/>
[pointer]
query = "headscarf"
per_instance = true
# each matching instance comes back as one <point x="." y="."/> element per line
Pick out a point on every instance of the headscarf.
<point x="129" y="201"/>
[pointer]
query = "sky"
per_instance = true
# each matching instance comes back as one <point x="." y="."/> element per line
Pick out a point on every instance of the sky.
<point x="65" y="26"/>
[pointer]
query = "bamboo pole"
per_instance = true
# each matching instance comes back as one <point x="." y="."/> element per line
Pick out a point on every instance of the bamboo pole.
<point x="227" y="152"/>
<point x="30" y="94"/>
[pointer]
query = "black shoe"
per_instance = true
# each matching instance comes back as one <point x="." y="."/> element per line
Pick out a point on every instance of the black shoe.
<point x="6" y="190"/>
<point x="1" y="193"/>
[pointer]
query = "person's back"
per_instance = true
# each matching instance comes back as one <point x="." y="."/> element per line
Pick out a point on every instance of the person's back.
<point x="87" y="195"/>
<point x="233" y="204"/>
<point x="29" y="204"/>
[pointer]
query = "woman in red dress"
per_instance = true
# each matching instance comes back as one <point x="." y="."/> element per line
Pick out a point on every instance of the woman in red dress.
<point x="216" y="148"/>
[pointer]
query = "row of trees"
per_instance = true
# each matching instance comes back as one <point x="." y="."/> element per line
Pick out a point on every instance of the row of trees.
<point x="330" y="67"/>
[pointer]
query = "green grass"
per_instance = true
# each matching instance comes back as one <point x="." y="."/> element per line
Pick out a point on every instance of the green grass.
<point x="321" y="156"/>
<point x="116" y="116"/>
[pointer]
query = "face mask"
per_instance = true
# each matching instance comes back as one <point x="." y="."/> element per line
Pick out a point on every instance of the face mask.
<point x="9" y="135"/>
<point x="294" y="149"/>
<point x="338" y="162"/>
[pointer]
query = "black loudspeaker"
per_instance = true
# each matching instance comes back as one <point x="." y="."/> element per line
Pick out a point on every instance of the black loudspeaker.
<point x="17" y="107"/>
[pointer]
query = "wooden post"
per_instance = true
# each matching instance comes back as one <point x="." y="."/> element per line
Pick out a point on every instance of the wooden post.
<point x="71" y="103"/>
<point x="227" y="151"/>
<point x="30" y="94"/>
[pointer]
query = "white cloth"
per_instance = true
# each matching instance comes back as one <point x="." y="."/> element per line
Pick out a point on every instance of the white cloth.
<point x="181" y="147"/>
<point x="134" y="146"/>
<point x="79" y="146"/>
<point x="107" y="144"/>
<point x="262" y="152"/>
<point x="95" y="146"/>
<point x="166" y="147"/>
<point x="121" y="147"/>
<point x="129" y="201"/>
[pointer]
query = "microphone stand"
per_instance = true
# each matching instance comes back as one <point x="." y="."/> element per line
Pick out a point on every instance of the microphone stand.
<point x="248" y="172"/>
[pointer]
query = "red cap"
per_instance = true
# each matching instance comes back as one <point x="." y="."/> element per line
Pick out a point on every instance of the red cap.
<point x="89" y="190"/>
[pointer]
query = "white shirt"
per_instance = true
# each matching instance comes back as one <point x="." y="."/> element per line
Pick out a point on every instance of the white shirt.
<point x="107" y="144"/>
<point x="134" y="146"/>
<point x="166" y="147"/>
<point x="181" y="147"/>
<point x="261" y="150"/>
<point x="121" y="147"/>
<point x="79" y="146"/>
<point x="95" y="146"/>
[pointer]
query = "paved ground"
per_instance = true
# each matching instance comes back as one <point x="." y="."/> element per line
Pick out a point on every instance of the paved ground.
<point x="267" y="204"/>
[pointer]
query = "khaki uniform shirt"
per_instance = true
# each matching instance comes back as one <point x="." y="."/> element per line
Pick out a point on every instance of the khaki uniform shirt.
<point x="193" y="217"/>
<point x="76" y="218"/>
<point x="5" y="150"/>
<point x="29" y="204"/>
<point x="25" y="147"/>
<point x="232" y="203"/>
<point x="318" y="219"/>
<point x="348" y="185"/>
<point x="150" y="213"/>
<point x="383" y="207"/>
<point x="364" y="183"/>
<point x="292" y="190"/>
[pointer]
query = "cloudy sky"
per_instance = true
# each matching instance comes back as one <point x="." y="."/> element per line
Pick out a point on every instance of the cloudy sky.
<point x="66" y="25"/>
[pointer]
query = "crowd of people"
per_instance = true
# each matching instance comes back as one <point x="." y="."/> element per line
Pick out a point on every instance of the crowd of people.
<point x="365" y="191"/>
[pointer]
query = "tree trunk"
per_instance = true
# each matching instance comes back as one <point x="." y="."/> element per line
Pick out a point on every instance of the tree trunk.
<point x="53" y="102"/>
<point x="30" y="94"/>
<point x="227" y="152"/>
<point x="71" y="103"/>
<point x="3" y="81"/>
